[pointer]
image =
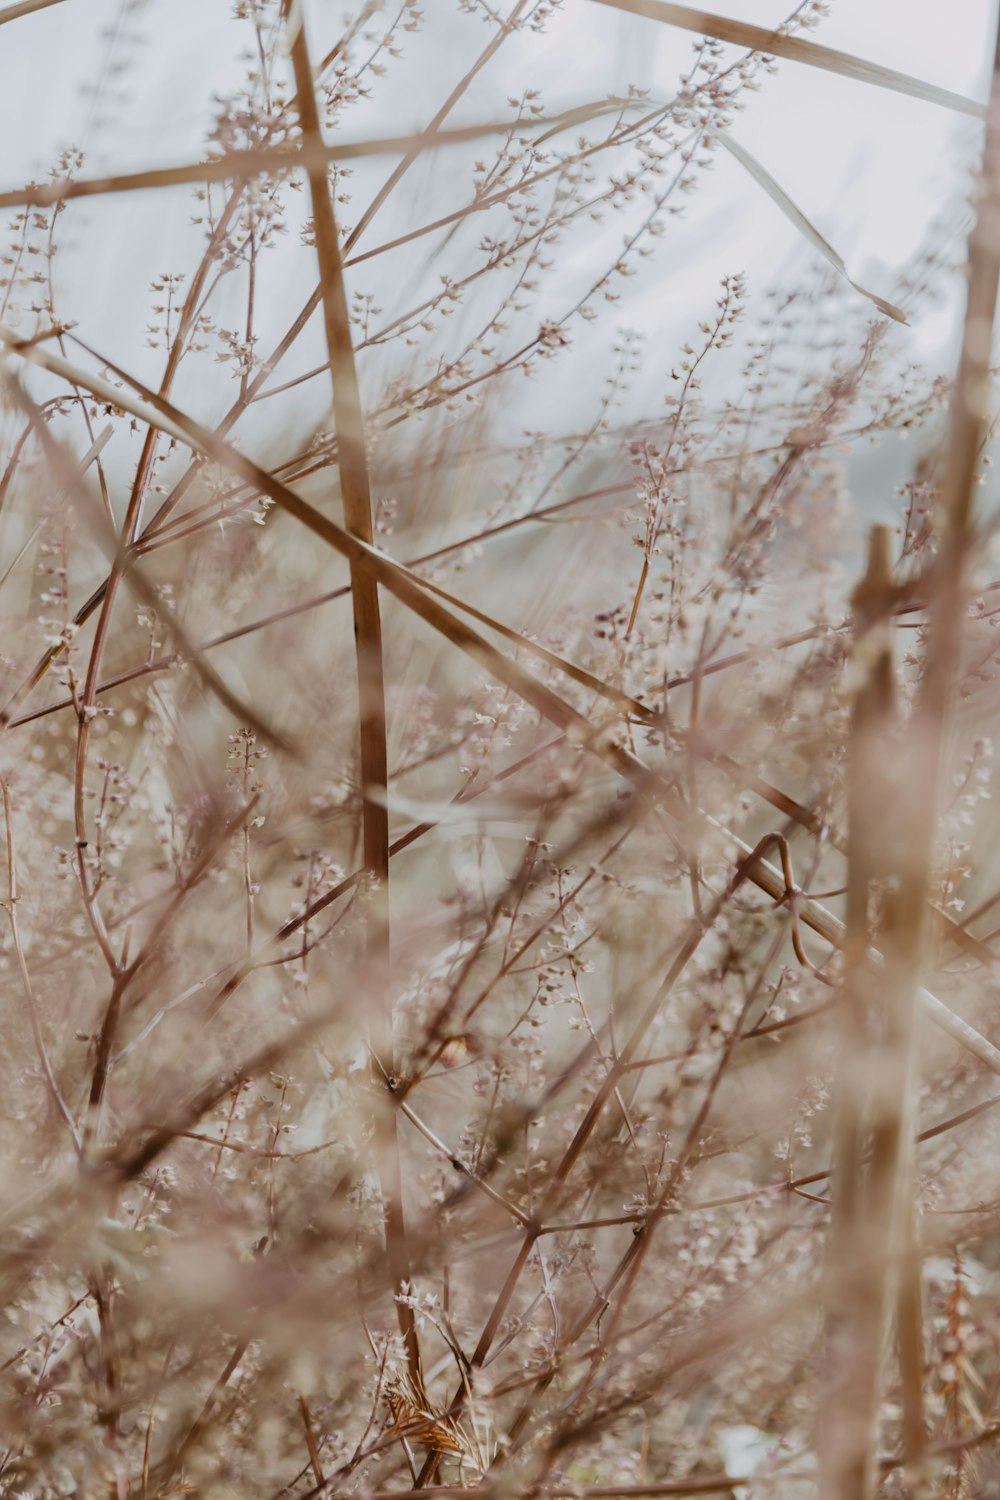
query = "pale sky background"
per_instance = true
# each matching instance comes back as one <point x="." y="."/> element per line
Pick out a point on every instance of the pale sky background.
<point x="872" y="169"/>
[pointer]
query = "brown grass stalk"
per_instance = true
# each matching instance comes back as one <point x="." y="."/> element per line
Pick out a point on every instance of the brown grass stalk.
<point x="355" y="490"/>
<point x="795" y="49"/>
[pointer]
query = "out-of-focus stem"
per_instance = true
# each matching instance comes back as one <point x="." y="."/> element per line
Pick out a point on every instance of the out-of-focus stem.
<point x="895" y="796"/>
<point x="355" y="487"/>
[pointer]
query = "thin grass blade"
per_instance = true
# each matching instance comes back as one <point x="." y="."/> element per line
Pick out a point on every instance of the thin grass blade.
<point x="797" y="49"/>
<point x="805" y="226"/>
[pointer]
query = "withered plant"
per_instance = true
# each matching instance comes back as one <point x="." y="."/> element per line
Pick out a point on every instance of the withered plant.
<point x="499" y="945"/>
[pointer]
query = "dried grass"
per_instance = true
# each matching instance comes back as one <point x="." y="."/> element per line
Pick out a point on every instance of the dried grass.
<point x="449" y="1056"/>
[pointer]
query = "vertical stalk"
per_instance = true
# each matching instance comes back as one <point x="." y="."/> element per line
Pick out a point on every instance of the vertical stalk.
<point x="895" y="799"/>
<point x="355" y="486"/>
<point x="930" y="730"/>
<point x="871" y="1069"/>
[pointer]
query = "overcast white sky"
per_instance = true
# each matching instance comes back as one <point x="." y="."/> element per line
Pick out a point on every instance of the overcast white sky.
<point x="871" y="168"/>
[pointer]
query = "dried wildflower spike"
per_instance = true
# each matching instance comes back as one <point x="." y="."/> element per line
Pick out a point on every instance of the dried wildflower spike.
<point x="413" y="1418"/>
<point x="960" y="1386"/>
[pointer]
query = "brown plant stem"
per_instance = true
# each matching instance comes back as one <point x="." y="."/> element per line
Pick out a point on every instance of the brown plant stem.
<point x="355" y="489"/>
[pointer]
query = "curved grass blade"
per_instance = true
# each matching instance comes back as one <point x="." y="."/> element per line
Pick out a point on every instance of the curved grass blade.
<point x="25" y="8"/>
<point x="805" y="226"/>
